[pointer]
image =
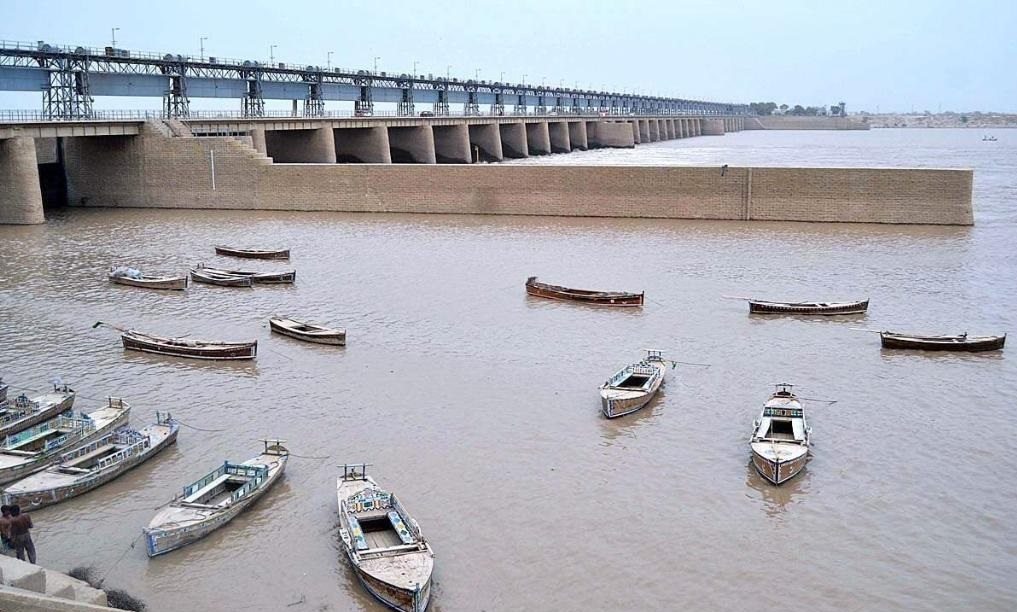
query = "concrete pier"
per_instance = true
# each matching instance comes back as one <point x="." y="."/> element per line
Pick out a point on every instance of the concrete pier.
<point x="712" y="127"/>
<point x="20" y="191"/>
<point x="654" y="128"/>
<point x="617" y="135"/>
<point x="644" y="131"/>
<point x="368" y="145"/>
<point x="558" y="132"/>
<point x="538" y="138"/>
<point x="487" y="141"/>
<point x="513" y="140"/>
<point x="452" y="144"/>
<point x="577" y="136"/>
<point x="258" y="140"/>
<point x="412" y="145"/>
<point x="301" y="146"/>
<point x="669" y="128"/>
<point x="635" y="131"/>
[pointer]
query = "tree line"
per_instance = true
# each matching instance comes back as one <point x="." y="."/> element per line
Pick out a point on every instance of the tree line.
<point x="771" y="108"/>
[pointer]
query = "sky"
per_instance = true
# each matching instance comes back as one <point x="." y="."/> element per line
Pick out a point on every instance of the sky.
<point x="888" y="56"/>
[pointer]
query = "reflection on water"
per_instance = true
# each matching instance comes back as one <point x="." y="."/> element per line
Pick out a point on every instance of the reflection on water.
<point x="478" y="405"/>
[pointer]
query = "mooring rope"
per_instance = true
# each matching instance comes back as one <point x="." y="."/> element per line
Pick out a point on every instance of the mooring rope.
<point x="119" y="559"/>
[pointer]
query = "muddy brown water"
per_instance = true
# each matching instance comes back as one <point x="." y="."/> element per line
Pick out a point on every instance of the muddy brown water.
<point x="478" y="405"/>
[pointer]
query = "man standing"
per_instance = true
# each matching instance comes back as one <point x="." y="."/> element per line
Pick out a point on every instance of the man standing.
<point x="21" y="524"/>
<point x="6" y="546"/>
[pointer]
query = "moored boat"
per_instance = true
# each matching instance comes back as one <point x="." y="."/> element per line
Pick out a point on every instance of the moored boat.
<point x="600" y="298"/>
<point x="21" y="412"/>
<point x="135" y="278"/>
<point x="960" y="342"/>
<point x="92" y="465"/>
<point x="780" y="437"/>
<point x="253" y="253"/>
<point x="383" y="542"/>
<point x="3" y="391"/>
<point x="287" y="276"/>
<point x="215" y="499"/>
<point x="309" y="332"/>
<point x="816" y="308"/>
<point x="37" y="447"/>
<point x="633" y="386"/>
<point x="191" y="349"/>
<point x="222" y="280"/>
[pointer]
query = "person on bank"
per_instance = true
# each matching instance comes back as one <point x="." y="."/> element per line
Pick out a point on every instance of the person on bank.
<point x="21" y="535"/>
<point x="6" y="545"/>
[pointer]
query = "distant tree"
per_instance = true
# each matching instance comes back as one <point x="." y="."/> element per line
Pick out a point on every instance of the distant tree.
<point x="763" y="108"/>
<point x="798" y="110"/>
<point x="783" y="109"/>
<point x="812" y="111"/>
<point x="834" y="110"/>
<point x="964" y="118"/>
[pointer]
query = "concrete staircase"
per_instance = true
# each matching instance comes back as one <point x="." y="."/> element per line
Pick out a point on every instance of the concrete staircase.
<point x="30" y="588"/>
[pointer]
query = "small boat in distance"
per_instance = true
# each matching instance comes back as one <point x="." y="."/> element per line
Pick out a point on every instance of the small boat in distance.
<point x="253" y="253"/>
<point x="780" y="437"/>
<point x="92" y="465"/>
<point x="808" y="308"/>
<point x="21" y="412"/>
<point x="215" y="499"/>
<point x="988" y="139"/>
<point x="37" y="447"/>
<point x="135" y="278"/>
<point x="961" y="342"/>
<point x="600" y="298"/>
<point x="308" y="332"/>
<point x="633" y="386"/>
<point x="288" y="276"/>
<point x="185" y="347"/>
<point x="383" y="542"/>
<point x="222" y="280"/>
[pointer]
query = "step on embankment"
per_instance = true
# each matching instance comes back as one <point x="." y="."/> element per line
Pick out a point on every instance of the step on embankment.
<point x="28" y="587"/>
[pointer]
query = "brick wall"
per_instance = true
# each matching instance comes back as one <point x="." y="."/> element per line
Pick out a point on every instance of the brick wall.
<point x="152" y="170"/>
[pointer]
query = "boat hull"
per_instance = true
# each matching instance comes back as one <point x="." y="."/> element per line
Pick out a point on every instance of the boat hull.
<point x="38" y="417"/>
<point x="267" y="278"/>
<point x="597" y="298"/>
<point x="974" y="345"/>
<point x="221" y="280"/>
<point x="777" y="308"/>
<point x="393" y="596"/>
<point x="223" y="351"/>
<point x="337" y="338"/>
<point x="253" y="253"/>
<point x="175" y="283"/>
<point x="47" y="497"/>
<point x="614" y="408"/>
<point x="778" y="472"/>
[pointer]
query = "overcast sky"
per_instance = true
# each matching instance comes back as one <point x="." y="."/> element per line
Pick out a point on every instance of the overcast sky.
<point x="894" y="55"/>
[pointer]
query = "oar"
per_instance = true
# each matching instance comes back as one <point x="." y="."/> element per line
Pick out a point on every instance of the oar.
<point x="734" y="297"/>
<point x="865" y="329"/>
<point x="704" y="365"/>
<point x="814" y="399"/>
<point x="110" y="325"/>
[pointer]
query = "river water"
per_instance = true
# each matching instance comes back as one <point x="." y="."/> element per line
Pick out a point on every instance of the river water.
<point x="478" y="405"/>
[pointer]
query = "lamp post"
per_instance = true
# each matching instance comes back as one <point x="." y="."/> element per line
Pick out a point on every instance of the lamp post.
<point x="501" y="78"/>
<point x="415" y="62"/>
<point x="524" y="79"/>
<point x="114" y="36"/>
<point x="328" y="60"/>
<point x="448" y="72"/>
<point x="202" y="43"/>
<point x="271" y="53"/>
<point x="376" y="58"/>
<point x="476" y="74"/>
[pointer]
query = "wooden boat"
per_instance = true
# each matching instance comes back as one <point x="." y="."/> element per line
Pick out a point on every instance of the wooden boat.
<point x="185" y="347"/>
<point x="961" y="342"/>
<point x="309" y="332"/>
<point x="37" y="447"/>
<point x="600" y="298"/>
<point x="134" y="278"/>
<point x="633" y="386"/>
<point x="780" y="437"/>
<point x="289" y="276"/>
<point x="383" y="543"/>
<point x="811" y="308"/>
<point x="215" y="499"/>
<point x="253" y="253"/>
<point x="21" y="412"/>
<point x="222" y="280"/>
<point x="3" y="390"/>
<point x="92" y="465"/>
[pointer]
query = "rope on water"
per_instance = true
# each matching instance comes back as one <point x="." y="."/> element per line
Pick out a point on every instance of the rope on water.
<point x="309" y="457"/>
<point x="120" y="558"/>
<point x="196" y="428"/>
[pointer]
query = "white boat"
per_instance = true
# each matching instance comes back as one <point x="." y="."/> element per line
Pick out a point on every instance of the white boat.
<point x="215" y="499"/>
<point x="37" y="447"/>
<point x="780" y="437"/>
<point x="383" y="543"/>
<point x="21" y="412"/>
<point x="633" y="386"/>
<point x="92" y="465"/>
<point x="308" y="332"/>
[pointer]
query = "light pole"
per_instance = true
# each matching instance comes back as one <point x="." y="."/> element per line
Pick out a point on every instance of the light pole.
<point x="476" y="74"/>
<point x="501" y="79"/>
<point x="203" y="39"/>
<point x="376" y="58"/>
<point x="543" y="80"/>
<point x="114" y="36"/>
<point x="448" y="72"/>
<point x="524" y="79"/>
<point x="271" y="53"/>
<point x="415" y="62"/>
<point x="328" y="60"/>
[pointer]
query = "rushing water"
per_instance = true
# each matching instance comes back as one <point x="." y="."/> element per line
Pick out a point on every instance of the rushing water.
<point x="478" y="405"/>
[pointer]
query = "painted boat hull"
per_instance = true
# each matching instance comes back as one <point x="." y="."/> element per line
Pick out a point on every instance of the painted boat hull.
<point x="221" y="280"/>
<point x="47" y="497"/>
<point x="392" y="596"/>
<point x="778" y="472"/>
<point x="973" y="345"/>
<point x="337" y="338"/>
<point x="613" y="409"/>
<point x="37" y="417"/>
<point x="267" y="278"/>
<point x="212" y="351"/>
<point x="597" y="298"/>
<point x="253" y="253"/>
<point x="169" y="283"/>
<point x="779" y="308"/>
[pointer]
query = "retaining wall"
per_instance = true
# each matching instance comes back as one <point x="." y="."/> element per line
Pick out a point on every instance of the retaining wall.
<point x="787" y="122"/>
